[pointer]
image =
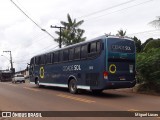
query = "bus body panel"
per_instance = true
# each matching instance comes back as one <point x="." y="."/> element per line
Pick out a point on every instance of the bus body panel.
<point x="121" y="63"/>
<point x="89" y="72"/>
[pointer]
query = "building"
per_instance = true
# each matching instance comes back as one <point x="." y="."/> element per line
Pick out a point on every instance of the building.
<point x="23" y="72"/>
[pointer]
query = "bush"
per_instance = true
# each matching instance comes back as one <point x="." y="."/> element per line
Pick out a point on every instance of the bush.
<point x="148" y="69"/>
<point x="152" y="44"/>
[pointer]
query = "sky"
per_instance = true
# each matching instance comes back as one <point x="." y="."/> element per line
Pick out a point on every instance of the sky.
<point x="24" y="39"/>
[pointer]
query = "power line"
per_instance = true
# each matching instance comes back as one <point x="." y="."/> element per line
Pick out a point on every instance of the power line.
<point x="38" y="52"/>
<point x="90" y="14"/>
<point x="144" y="32"/>
<point x="34" y="23"/>
<point x="26" y="14"/>
<point x="33" y="42"/>
<point x="39" y="39"/>
<point x="120" y="10"/>
<point x="47" y="47"/>
<point x="52" y="49"/>
<point x="29" y="58"/>
<point x="32" y="20"/>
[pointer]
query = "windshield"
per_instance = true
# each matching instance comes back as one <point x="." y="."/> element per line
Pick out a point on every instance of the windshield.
<point x="121" y="45"/>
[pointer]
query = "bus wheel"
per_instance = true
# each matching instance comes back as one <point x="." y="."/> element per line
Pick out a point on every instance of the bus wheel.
<point x="38" y="85"/>
<point x="97" y="91"/>
<point x="73" y="86"/>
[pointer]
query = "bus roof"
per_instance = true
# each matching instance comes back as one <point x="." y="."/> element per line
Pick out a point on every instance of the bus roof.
<point x="97" y="38"/>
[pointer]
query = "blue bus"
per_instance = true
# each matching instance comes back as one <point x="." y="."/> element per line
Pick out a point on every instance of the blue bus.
<point x="106" y="62"/>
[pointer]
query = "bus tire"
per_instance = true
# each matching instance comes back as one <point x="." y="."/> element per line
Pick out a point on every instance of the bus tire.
<point x="73" y="86"/>
<point x="38" y="85"/>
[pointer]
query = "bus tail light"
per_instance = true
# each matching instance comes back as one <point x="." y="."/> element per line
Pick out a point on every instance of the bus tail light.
<point x="105" y="75"/>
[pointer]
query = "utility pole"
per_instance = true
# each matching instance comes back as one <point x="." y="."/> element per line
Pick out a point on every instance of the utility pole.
<point x="12" y="69"/>
<point x="60" y="40"/>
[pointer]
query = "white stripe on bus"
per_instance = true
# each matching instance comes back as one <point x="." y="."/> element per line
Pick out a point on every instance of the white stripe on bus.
<point x="83" y="87"/>
<point x="63" y="85"/>
<point x="52" y="84"/>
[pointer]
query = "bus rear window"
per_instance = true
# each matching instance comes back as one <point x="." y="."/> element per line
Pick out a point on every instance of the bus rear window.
<point x="121" y="45"/>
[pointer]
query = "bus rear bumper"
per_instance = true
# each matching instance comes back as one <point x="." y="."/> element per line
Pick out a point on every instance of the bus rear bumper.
<point x="120" y="84"/>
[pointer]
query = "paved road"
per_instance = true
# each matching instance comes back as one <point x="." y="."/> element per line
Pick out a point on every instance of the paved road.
<point x="27" y="97"/>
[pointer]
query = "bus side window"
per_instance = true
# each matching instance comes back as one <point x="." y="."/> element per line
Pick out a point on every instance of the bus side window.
<point x="93" y="47"/>
<point x="65" y="55"/>
<point x="39" y="60"/>
<point x="52" y="57"/>
<point x="77" y="53"/>
<point x="84" y="53"/>
<point x="98" y="47"/>
<point x="56" y="57"/>
<point x="48" y="58"/>
<point x="71" y="53"/>
<point x="36" y="61"/>
<point x="42" y="60"/>
<point x="61" y="56"/>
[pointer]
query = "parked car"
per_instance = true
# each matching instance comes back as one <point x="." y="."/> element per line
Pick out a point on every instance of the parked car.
<point x="18" y="78"/>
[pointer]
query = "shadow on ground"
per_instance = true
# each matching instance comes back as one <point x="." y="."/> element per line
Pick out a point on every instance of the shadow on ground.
<point x="109" y="94"/>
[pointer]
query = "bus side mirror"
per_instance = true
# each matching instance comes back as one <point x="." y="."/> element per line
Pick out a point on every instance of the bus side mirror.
<point x="27" y="68"/>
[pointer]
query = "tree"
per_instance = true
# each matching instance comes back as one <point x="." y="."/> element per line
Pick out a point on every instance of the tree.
<point x="121" y="32"/>
<point x="152" y="44"/>
<point x="155" y="23"/>
<point x="72" y="33"/>
<point x="138" y="44"/>
<point x="145" y="43"/>
<point x="148" y="70"/>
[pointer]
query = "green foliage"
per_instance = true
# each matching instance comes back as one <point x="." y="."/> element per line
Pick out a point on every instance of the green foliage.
<point x="152" y="44"/>
<point x="145" y="43"/>
<point x="148" y="69"/>
<point x="72" y="33"/>
<point x="138" y="44"/>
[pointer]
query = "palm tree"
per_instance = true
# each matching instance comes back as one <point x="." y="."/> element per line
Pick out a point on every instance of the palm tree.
<point x="72" y="33"/>
<point x="121" y="32"/>
<point x="155" y="23"/>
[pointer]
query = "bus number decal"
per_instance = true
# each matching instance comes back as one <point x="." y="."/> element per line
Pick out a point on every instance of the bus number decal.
<point x="90" y="67"/>
<point x="41" y="72"/>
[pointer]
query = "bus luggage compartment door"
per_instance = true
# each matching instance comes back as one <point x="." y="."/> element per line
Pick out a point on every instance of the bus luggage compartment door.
<point x="121" y="75"/>
<point x="121" y="71"/>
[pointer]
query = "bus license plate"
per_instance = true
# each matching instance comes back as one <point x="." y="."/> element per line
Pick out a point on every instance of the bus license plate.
<point x="122" y="78"/>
